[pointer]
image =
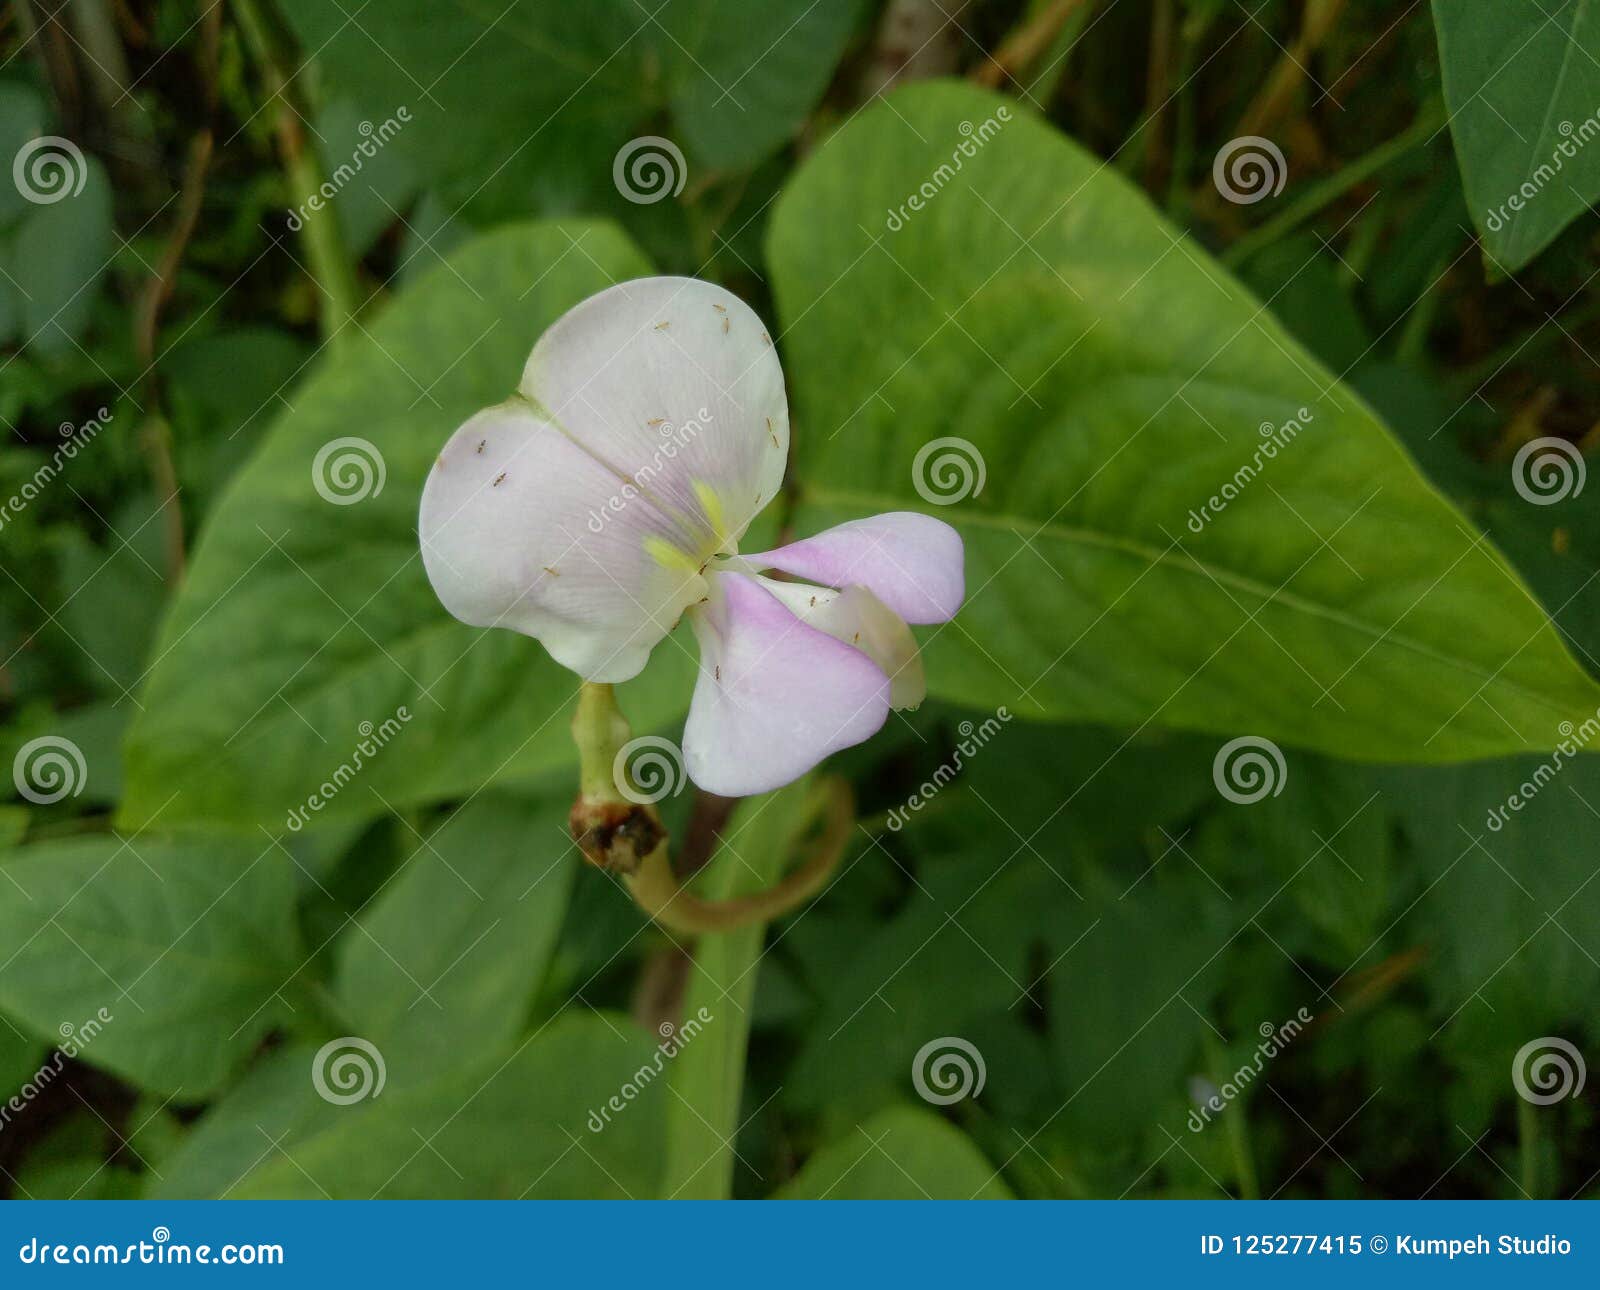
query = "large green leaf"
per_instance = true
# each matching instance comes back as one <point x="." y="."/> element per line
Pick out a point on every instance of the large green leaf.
<point x="899" y="1154"/>
<point x="452" y="950"/>
<point x="190" y="948"/>
<point x="1113" y="379"/>
<point x="512" y="1128"/>
<point x="1522" y="82"/>
<point x="524" y="105"/>
<point x="304" y="626"/>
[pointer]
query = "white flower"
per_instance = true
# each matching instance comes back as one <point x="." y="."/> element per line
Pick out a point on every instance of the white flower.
<point x="607" y="497"/>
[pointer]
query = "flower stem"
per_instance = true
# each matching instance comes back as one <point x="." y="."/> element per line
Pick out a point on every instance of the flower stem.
<point x="622" y="833"/>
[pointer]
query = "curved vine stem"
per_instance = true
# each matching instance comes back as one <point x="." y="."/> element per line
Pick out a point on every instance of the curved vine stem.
<point x="622" y="833"/>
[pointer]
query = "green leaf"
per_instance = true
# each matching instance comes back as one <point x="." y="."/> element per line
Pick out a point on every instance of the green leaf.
<point x="708" y="1063"/>
<point x="59" y="253"/>
<point x="303" y="626"/>
<point x="1127" y="1000"/>
<point x="1522" y="82"/>
<point x="744" y="76"/>
<point x="186" y="946"/>
<point x="530" y="102"/>
<point x="902" y="1153"/>
<point x="508" y="1129"/>
<point x="266" y="1113"/>
<point x="1112" y="379"/>
<point x="450" y="953"/>
<point x="1506" y="906"/>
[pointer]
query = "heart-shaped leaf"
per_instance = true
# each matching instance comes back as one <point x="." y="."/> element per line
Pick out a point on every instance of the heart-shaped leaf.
<point x="1172" y="512"/>
<point x="307" y="672"/>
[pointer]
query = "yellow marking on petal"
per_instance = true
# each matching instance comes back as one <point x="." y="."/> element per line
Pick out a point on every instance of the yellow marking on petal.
<point x="711" y="504"/>
<point x="669" y="556"/>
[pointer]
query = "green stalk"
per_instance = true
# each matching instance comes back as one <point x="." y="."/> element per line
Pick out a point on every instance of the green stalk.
<point x="1329" y="190"/>
<point x="706" y="1083"/>
<point x="1528" y="1144"/>
<point x="328" y="260"/>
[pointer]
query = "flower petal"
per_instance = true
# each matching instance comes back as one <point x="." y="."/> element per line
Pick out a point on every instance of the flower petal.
<point x="674" y="384"/>
<point x="911" y="562"/>
<point x="516" y="532"/>
<point x="858" y="618"/>
<point x="774" y="696"/>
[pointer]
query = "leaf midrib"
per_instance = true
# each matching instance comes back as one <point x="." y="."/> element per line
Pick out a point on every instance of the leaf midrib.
<point x="1191" y="564"/>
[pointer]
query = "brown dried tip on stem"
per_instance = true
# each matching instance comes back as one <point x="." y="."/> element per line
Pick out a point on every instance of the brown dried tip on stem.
<point x="615" y="836"/>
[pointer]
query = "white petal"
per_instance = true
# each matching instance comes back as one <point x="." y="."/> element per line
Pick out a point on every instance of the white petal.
<point x="774" y="696"/>
<point x="522" y="528"/>
<point x="673" y="383"/>
<point x="858" y="618"/>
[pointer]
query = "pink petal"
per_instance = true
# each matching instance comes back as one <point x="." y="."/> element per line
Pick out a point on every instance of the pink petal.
<point x="774" y="696"/>
<point x="911" y="562"/>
